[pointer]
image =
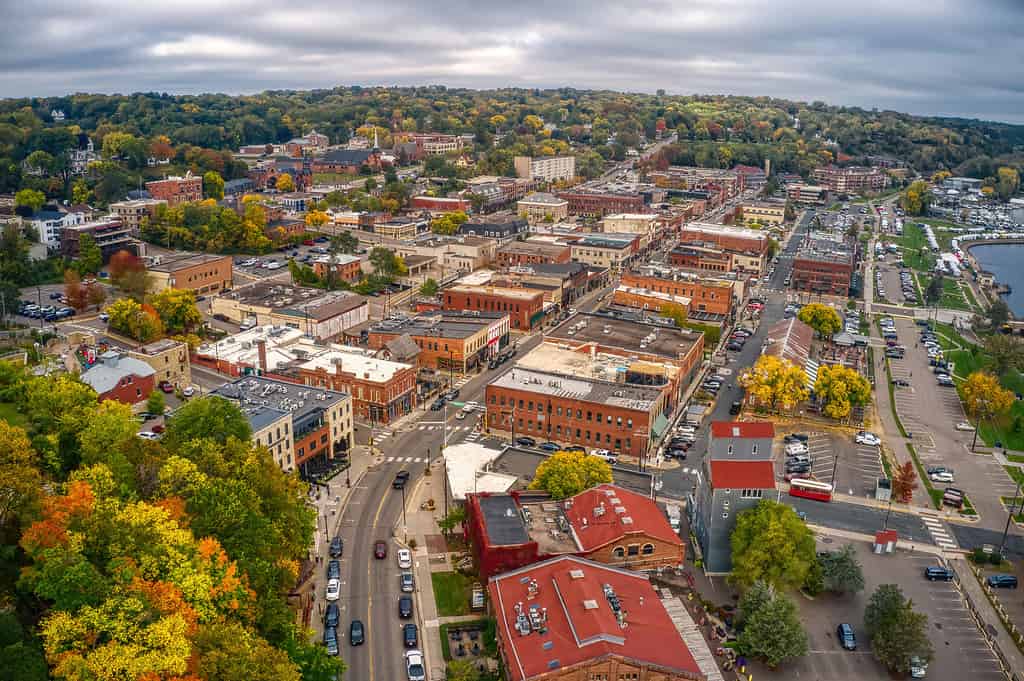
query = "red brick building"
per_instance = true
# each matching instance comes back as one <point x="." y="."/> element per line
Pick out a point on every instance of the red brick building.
<point x="177" y="190"/>
<point x="381" y="390"/>
<point x="609" y="524"/>
<point x="706" y="295"/>
<point x="447" y="340"/>
<point x="518" y="253"/>
<point x="823" y="266"/>
<point x="571" y="619"/>
<point x="599" y="204"/>
<point x="851" y="180"/>
<point x="525" y="307"/>
<point x="439" y="204"/>
<point x="124" y="379"/>
<point x="346" y="267"/>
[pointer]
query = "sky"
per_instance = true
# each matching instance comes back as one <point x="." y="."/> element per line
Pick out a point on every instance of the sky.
<point x="931" y="57"/>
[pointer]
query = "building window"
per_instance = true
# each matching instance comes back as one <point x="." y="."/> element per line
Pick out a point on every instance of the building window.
<point x="730" y="450"/>
<point x="634" y="550"/>
<point x="751" y="494"/>
<point x="647" y="549"/>
<point x="619" y="552"/>
<point x="629" y="423"/>
<point x="753" y="448"/>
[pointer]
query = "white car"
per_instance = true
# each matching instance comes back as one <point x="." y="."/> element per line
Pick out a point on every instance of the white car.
<point x="964" y="425"/>
<point x="404" y="559"/>
<point x="942" y="476"/>
<point x="333" y="589"/>
<point x="188" y="391"/>
<point x="414" y="665"/>
<point x="795" y="448"/>
<point x="149" y="435"/>
<point x="865" y="438"/>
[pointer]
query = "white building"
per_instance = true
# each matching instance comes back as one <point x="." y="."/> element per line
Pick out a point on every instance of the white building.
<point x="546" y="168"/>
<point x="50" y="225"/>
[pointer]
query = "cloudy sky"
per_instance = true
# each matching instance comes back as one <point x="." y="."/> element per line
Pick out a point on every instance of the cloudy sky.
<point x="944" y="57"/>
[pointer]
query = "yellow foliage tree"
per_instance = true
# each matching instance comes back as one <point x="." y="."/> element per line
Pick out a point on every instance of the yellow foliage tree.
<point x="317" y="218"/>
<point x="822" y="318"/>
<point x="984" y="397"/>
<point x="564" y="474"/>
<point x="777" y="383"/>
<point x="840" y="388"/>
<point x="285" y="183"/>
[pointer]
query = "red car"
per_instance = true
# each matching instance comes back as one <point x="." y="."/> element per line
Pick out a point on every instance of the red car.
<point x="307" y="242"/>
<point x="157" y="428"/>
<point x="166" y="387"/>
<point x="380" y="550"/>
<point x="788" y="477"/>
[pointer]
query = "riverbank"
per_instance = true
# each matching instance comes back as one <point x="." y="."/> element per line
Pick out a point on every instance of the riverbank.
<point x="998" y="264"/>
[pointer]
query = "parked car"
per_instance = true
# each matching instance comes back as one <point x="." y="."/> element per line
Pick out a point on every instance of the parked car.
<point x="964" y="425"/>
<point x="404" y="559"/>
<point x="734" y="346"/>
<point x="937" y="573"/>
<point x="333" y="590"/>
<point x="526" y="442"/>
<point x="918" y="668"/>
<point x="410" y="635"/>
<point x="405" y="606"/>
<point x="735" y="408"/>
<point x="901" y="382"/>
<point x="332" y="615"/>
<point x="336" y="547"/>
<point x="356" y="633"/>
<point x="331" y="640"/>
<point x="380" y="550"/>
<point x="1002" y="581"/>
<point x="847" y="639"/>
<point x="866" y="438"/>
<point x="149" y="435"/>
<point x="414" y="665"/>
<point x="406" y="582"/>
<point x="550" y="446"/>
<point x="334" y="569"/>
<point x="789" y="477"/>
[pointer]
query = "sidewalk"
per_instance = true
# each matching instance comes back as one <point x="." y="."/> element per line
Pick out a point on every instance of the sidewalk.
<point x="991" y="625"/>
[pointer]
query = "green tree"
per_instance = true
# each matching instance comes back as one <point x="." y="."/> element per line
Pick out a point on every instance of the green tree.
<point x="998" y="313"/>
<point x="773" y="632"/>
<point x="564" y="474"/>
<point x="345" y="243"/>
<point x="448" y="223"/>
<point x="227" y="651"/>
<point x="20" y="481"/>
<point x="429" y="288"/>
<point x="842" y="571"/>
<point x="897" y="632"/>
<point x="753" y="600"/>
<point x="386" y="263"/>
<point x="1007" y="182"/>
<point x="933" y="293"/>
<point x="771" y="544"/>
<point x="155" y="403"/>
<point x="90" y="258"/>
<point x="822" y="318"/>
<point x="840" y="388"/>
<point x="30" y="198"/>
<point x="207" y="417"/>
<point x="463" y="670"/>
<point x="213" y="185"/>
<point x="107" y="439"/>
<point x="313" y="661"/>
<point x="80" y="192"/>
<point x="40" y="161"/>
<point x="1004" y="352"/>
<point x="456" y="516"/>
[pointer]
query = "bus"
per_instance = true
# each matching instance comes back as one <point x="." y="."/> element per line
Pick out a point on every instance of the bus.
<point x="810" y="489"/>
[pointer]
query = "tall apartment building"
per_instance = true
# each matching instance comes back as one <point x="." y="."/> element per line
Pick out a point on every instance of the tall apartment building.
<point x="546" y="168"/>
<point x="851" y="180"/>
<point x="109" y="234"/>
<point x="131" y="213"/>
<point x="177" y="190"/>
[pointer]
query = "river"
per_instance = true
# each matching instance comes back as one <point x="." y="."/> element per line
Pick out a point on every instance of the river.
<point x="1006" y="261"/>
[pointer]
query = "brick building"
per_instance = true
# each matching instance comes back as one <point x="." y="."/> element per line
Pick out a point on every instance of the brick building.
<point x="607" y="524"/>
<point x="346" y="161"/>
<point x="177" y="190"/>
<point x="525" y="307"/>
<point x="121" y="378"/>
<point x="824" y="266"/>
<point x="715" y="296"/>
<point x="447" y="340"/>
<point x="132" y="213"/>
<point x="807" y="194"/>
<point x="764" y="212"/>
<point x="516" y="253"/>
<point x="381" y="390"/>
<point x="721" y="248"/>
<point x="612" y="251"/>
<point x="543" y="207"/>
<point x="200" y="272"/>
<point x="345" y="267"/>
<point x="851" y="180"/>
<point x="570" y="619"/>
<point x="717" y="185"/>
<point x="599" y="204"/>
<point x="440" y="204"/>
<point x="109" y="234"/>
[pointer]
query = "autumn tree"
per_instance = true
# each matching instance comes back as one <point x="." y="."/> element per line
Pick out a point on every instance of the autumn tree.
<point x="776" y="383"/>
<point x="141" y="322"/>
<point x="20" y="481"/>
<point x="285" y="183"/>
<point x="675" y="312"/>
<point x="1007" y="182"/>
<point x="317" y="218"/>
<point x="80" y="192"/>
<point x="30" y="199"/>
<point x="448" y="223"/>
<point x="74" y="291"/>
<point x="128" y="273"/>
<point x="213" y="185"/>
<point x="564" y="474"/>
<point x="840" y="388"/>
<point x="983" y="396"/>
<point x="822" y="318"/>
<point x="177" y="309"/>
<point x="95" y="294"/>
<point x="916" y="198"/>
<point x="771" y="544"/>
<point x="904" y="482"/>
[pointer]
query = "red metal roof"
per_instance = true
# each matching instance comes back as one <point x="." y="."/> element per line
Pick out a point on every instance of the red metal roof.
<point x="751" y="429"/>
<point x="581" y="624"/>
<point x="609" y="524"/>
<point x="742" y="475"/>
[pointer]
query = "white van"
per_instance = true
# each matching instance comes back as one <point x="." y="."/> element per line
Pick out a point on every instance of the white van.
<point x="605" y="455"/>
<point x="247" y="323"/>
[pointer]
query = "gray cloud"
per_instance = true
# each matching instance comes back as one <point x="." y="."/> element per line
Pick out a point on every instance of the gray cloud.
<point x="941" y="57"/>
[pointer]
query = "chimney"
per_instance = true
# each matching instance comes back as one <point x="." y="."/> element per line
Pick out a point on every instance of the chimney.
<point x="261" y="349"/>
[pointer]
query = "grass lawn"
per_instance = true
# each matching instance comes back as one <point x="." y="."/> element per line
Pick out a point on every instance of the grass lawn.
<point x="452" y="592"/>
<point x="10" y="414"/>
<point x="952" y="297"/>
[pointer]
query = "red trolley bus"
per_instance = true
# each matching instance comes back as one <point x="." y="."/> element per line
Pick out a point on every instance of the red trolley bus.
<point x="810" y="489"/>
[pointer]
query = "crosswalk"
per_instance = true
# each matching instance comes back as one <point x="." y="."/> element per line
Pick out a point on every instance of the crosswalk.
<point x="405" y="459"/>
<point x="938" y="532"/>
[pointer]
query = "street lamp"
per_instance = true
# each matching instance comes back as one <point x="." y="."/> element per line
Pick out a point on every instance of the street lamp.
<point x="405" y="527"/>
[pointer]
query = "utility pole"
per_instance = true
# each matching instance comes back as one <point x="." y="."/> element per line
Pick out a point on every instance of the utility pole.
<point x="1009" y="517"/>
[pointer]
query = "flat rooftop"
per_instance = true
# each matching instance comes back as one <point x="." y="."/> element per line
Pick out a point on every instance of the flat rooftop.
<point x="158" y="347"/>
<point x="296" y="300"/>
<point x="533" y="248"/>
<point x="264" y="400"/>
<point x="670" y="273"/>
<point x="725" y="230"/>
<point x="524" y="294"/>
<point x="616" y="241"/>
<point x="651" y="293"/>
<point x="636" y="398"/>
<point x="626" y="334"/>
<point x="555" y="358"/>
<point x="442" y="324"/>
<point x="547" y="524"/>
<point x="505" y="526"/>
<point x="523" y="463"/>
<point x="181" y="262"/>
<point x="543" y="198"/>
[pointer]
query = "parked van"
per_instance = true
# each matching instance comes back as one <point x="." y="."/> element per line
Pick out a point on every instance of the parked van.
<point x="605" y="455"/>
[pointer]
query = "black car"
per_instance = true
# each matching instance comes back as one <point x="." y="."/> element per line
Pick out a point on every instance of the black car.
<point x="331" y="640"/>
<point x="674" y="453"/>
<point x="550" y="446"/>
<point x="405" y="607"/>
<point x="901" y="382"/>
<point x="337" y="545"/>
<point x="334" y="569"/>
<point x="796" y="437"/>
<point x="798" y="468"/>
<point x="734" y="346"/>
<point x="331" y="615"/>
<point x="356" y="633"/>
<point x="452" y="394"/>
<point x="938" y="573"/>
<point x="410" y="635"/>
<point x="401" y="478"/>
<point x="437" y="405"/>
<point x="735" y="408"/>
<point x="526" y="441"/>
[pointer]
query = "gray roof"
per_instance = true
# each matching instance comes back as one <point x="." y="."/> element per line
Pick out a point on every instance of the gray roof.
<point x="403" y="347"/>
<point x="350" y="156"/>
<point x="503" y="523"/>
<point x="103" y="377"/>
<point x="264" y="400"/>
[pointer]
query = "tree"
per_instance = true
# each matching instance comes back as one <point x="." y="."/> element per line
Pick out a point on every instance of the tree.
<point x="916" y="198"/>
<point x="904" y="482"/>
<point x="80" y="192"/>
<point x="90" y="257"/>
<point x="345" y="243"/>
<point x="897" y="632"/>
<point x="842" y="571"/>
<point x="429" y="288"/>
<point x="31" y="199"/>
<point x="128" y="273"/>
<point x="822" y="318"/>
<point x="933" y="293"/>
<point x="984" y="397"/>
<point x="463" y="670"/>
<point x="753" y="600"/>
<point x="998" y="313"/>
<point x="456" y="516"/>
<point x="40" y="161"/>
<point x="155" y="403"/>
<point x="213" y="185"/>
<point x="227" y="651"/>
<point x="20" y="481"/>
<point x="1007" y="182"/>
<point x="317" y="218"/>
<point x="564" y="474"/>
<point x="771" y="544"/>
<point x="675" y="312"/>
<point x="285" y="183"/>
<point x="207" y="417"/>
<point x="777" y="383"/>
<point x="773" y="632"/>
<point x="73" y="290"/>
<point x="840" y="388"/>
<point x="1004" y="353"/>
<point x="386" y="263"/>
<point x="177" y="309"/>
<point x="448" y="223"/>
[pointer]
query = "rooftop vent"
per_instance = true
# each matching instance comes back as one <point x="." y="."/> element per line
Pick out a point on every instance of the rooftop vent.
<point x="627" y="520"/>
<point x="576" y="574"/>
<point x="590" y="604"/>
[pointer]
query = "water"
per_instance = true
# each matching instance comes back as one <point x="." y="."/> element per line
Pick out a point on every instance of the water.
<point x="1006" y="261"/>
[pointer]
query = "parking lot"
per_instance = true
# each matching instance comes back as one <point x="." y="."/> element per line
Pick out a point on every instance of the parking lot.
<point x="961" y="651"/>
<point x="835" y="458"/>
